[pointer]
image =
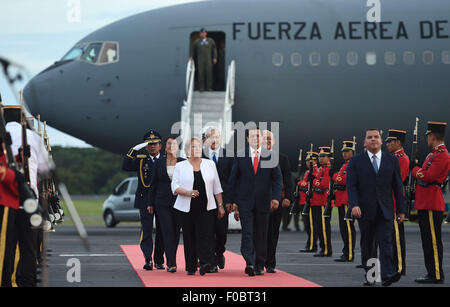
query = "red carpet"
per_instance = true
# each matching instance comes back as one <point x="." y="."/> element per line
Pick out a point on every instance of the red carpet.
<point x="232" y="276"/>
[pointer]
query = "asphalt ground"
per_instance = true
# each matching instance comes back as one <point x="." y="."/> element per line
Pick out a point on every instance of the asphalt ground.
<point x="104" y="265"/>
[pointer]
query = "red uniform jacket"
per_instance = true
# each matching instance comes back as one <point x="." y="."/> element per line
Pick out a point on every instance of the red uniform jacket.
<point x="430" y="197"/>
<point x="403" y="161"/>
<point x="340" y="178"/>
<point x="303" y="184"/>
<point x="321" y="182"/>
<point x="9" y="190"/>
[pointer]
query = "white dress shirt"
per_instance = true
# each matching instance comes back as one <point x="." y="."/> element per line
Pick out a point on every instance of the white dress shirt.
<point x="214" y="152"/>
<point x="38" y="161"/>
<point x="253" y="154"/>
<point x="183" y="177"/>
<point x="378" y="159"/>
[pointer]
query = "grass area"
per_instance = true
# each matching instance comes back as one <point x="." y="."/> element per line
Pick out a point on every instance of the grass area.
<point x="90" y="212"/>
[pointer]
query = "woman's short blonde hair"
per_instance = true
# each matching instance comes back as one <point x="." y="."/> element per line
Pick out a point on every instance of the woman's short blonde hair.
<point x="187" y="147"/>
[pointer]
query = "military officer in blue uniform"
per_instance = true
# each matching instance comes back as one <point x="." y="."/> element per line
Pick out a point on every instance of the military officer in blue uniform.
<point x="140" y="159"/>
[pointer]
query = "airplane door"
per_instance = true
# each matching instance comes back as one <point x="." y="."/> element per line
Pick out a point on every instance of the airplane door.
<point x="219" y="69"/>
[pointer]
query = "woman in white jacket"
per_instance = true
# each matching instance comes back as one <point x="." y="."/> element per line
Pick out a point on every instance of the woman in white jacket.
<point x="195" y="182"/>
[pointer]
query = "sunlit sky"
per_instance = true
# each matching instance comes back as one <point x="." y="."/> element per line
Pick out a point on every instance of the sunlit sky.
<point x="37" y="33"/>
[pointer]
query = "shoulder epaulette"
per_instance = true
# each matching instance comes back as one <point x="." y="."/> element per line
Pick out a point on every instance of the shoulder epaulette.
<point x="141" y="156"/>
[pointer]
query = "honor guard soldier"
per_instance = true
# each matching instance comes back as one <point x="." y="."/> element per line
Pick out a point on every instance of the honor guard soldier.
<point x="204" y="49"/>
<point x="311" y="243"/>
<point x="429" y="201"/>
<point x="394" y="143"/>
<point x="140" y="159"/>
<point x="38" y="163"/>
<point x="346" y="227"/>
<point x="9" y="206"/>
<point x="321" y="184"/>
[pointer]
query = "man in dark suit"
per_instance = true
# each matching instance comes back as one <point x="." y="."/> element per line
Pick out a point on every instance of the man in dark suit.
<point x="215" y="152"/>
<point x="287" y="197"/>
<point x="372" y="176"/>
<point x="254" y="190"/>
<point x="140" y="159"/>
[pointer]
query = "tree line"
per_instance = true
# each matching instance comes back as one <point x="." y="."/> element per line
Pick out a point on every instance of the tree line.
<point x="88" y="170"/>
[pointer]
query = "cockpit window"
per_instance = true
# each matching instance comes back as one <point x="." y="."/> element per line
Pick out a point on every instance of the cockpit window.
<point x="92" y="52"/>
<point x="109" y="53"/>
<point x="74" y="53"/>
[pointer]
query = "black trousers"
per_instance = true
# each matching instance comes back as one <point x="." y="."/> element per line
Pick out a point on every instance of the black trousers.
<point x="322" y="227"/>
<point x="348" y="234"/>
<point x="272" y="236"/>
<point x="255" y="226"/>
<point x="220" y="235"/>
<point x="399" y="247"/>
<point x="198" y="228"/>
<point x="7" y="244"/>
<point x="26" y="237"/>
<point x="146" y="238"/>
<point x="312" y="236"/>
<point x="430" y="223"/>
<point x="170" y="233"/>
<point x="158" y="253"/>
<point x="380" y="230"/>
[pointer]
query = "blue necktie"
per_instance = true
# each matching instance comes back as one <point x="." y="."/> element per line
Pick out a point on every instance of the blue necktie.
<point x="374" y="163"/>
<point x="214" y="158"/>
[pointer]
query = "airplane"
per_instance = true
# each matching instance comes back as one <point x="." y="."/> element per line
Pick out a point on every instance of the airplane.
<point x="317" y="67"/>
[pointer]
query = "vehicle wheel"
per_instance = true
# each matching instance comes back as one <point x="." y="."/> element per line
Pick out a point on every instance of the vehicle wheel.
<point x="109" y="219"/>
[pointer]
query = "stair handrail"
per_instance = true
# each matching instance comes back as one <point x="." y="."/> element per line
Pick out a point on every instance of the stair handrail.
<point x="186" y="108"/>
<point x="229" y="102"/>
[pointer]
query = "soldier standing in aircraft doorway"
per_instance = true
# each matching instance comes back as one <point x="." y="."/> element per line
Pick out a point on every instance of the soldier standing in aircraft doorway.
<point x="205" y="50"/>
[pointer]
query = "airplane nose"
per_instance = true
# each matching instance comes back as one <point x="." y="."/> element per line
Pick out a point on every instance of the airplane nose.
<point x="30" y="98"/>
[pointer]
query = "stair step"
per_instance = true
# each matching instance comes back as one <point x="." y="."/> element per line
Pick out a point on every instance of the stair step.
<point x="209" y="94"/>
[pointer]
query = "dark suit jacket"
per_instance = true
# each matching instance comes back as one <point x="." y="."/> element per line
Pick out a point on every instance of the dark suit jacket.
<point x="287" y="177"/>
<point x="250" y="191"/>
<point x="369" y="190"/>
<point x="160" y="185"/>
<point x="224" y="165"/>
<point x="141" y="163"/>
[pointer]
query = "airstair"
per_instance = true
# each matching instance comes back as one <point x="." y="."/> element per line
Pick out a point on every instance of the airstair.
<point x="209" y="108"/>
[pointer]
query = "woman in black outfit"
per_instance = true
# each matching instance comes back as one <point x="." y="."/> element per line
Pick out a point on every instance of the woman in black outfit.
<point x="161" y="200"/>
<point x="196" y="183"/>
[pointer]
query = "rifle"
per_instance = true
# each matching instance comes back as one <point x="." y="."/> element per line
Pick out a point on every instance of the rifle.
<point x="40" y="216"/>
<point x="348" y="215"/>
<point x="330" y="197"/>
<point x="309" y="194"/>
<point x="26" y="195"/>
<point x="295" y="207"/>
<point x="52" y="194"/>
<point x="411" y="187"/>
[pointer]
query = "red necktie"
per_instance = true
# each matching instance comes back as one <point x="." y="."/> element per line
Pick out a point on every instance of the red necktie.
<point x="255" y="162"/>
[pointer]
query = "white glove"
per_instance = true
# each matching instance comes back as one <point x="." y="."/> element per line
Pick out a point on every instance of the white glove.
<point x="139" y="146"/>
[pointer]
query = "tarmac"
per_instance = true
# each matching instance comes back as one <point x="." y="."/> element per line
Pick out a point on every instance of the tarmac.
<point x="105" y="265"/>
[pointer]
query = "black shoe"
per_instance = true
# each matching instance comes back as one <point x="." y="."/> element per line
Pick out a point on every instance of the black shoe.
<point x="204" y="268"/>
<point x="148" y="265"/>
<point x="322" y="254"/>
<point x="221" y="262"/>
<point x="259" y="271"/>
<point x="172" y="269"/>
<point x="306" y="250"/>
<point x="428" y="280"/>
<point x="250" y="270"/>
<point x="343" y="258"/>
<point x="159" y="266"/>
<point x="270" y="270"/>
<point x="360" y="266"/>
<point x="389" y="280"/>
<point x="191" y="272"/>
<point x="213" y="269"/>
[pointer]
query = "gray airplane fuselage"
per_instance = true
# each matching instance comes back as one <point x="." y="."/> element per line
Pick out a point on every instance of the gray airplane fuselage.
<point x="112" y="106"/>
